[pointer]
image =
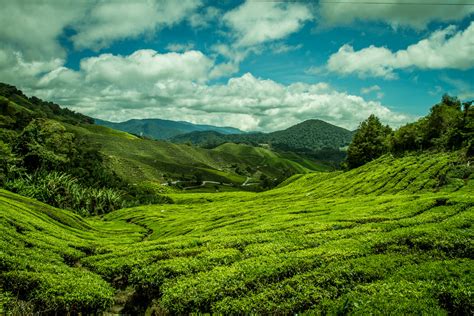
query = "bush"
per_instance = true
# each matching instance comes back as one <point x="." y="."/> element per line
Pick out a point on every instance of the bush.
<point x="64" y="191"/>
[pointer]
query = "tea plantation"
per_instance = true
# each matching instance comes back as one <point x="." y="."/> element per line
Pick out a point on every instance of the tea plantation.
<point x="394" y="236"/>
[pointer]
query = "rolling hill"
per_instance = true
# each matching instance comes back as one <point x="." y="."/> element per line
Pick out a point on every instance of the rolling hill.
<point x="52" y="138"/>
<point x="163" y="129"/>
<point x="143" y="160"/>
<point x="388" y="236"/>
<point x="314" y="138"/>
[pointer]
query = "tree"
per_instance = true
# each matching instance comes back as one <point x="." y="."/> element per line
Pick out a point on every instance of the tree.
<point x="444" y="125"/>
<point x="408" y="137"/>
<point x="45" y="144"/>
<point x="369" y="142"/>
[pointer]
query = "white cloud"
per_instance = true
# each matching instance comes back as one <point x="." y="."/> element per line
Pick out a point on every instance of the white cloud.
<point x="255" y="23"/>
<point x="111" y="21"/>
<point x="33" y="27"/>
<point x="370" y="89"/>
<point x="177" y="47"/>
<point x="173" y="86"/>
<point x="394" y="12"/>
<point x="446" y="48"/>
<point x="281" y="48"/>
<point x="204" y="19"/>
<point x="146" y="66"/>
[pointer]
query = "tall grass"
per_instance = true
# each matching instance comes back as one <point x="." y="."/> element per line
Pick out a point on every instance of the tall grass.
<point x="64" y="191"/>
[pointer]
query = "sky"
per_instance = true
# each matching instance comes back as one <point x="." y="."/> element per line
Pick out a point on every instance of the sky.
<point x="254" y="65"/>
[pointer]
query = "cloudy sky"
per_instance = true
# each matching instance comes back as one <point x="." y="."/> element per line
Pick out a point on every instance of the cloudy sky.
<point x="255" y="65"/>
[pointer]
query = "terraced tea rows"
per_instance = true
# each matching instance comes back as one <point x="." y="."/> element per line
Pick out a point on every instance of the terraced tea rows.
<point x="394" y="235"/>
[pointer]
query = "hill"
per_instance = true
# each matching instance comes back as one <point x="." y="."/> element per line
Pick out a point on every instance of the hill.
<point x="16" y="109"/>
<point x="61" y="157"/>
<point x="163" y="129"/>
<point x="394" y="235"/>
<point x="313" y="138"/>
<point x="142" y="160"/>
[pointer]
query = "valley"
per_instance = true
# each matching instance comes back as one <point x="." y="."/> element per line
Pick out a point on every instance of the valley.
<point x="99" y="221"/>
<point x="337" y="242"/>
<point x="237" y="157"/>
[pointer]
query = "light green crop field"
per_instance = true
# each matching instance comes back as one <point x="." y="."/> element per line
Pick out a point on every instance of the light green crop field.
<point x="392" y="237"/>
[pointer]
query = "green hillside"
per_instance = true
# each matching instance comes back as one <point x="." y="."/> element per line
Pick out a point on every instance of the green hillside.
<point x="60" y="157"/>
<point x="163" y="129"/>
<point x="394" y="235"/>
<point x="139" y="160"/>
<point x="306" y="137"/>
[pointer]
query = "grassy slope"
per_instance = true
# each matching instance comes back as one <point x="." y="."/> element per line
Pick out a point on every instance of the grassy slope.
<point x="141" y="160"/>
<point x="40" y="252"/>
<point x="383" y="237"/>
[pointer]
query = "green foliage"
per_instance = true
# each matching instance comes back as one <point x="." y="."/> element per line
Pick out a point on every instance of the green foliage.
<point x="24" y="108"/>
<point x="383" y="237"/>
<point x="138" y="160"/>
<point x="369" y="142"/>
<point x="44" y="144"/>
<point x="312" y="138"/>
<point x="449" y="126"/>
<point x="64" y="191"/>
<point x="44" y="157"/>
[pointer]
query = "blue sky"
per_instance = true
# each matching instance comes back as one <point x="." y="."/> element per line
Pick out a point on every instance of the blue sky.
<point x="255" y="65"/>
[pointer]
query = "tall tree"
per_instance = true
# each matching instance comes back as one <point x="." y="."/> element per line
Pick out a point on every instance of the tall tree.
<point x="369" y="142"/>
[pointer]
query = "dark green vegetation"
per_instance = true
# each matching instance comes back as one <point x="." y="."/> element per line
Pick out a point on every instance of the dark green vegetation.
<point x="141" y="160"/>
<point x="393" y="236"/>
<point x="41" y="156"/>
<point x="163" y="129"/>
<point x="449" y="126"/>
<point x="62" y="158"/>
<point x="312" y="138"/>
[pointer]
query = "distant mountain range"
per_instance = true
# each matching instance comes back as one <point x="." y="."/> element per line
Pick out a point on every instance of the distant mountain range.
<point x="308" y="136"/>
<point x="164" y="129"/>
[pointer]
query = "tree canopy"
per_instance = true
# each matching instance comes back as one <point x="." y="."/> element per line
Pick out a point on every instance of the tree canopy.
<point x="449" y="126"/>
<point x="369" y="142"/>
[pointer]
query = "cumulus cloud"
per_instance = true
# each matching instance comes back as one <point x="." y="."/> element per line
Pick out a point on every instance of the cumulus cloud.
<point x="370" y="89"/>
<point x="255" y="23"/>
<point x="394" y="12"/>
<point x="33" y="27"/>
<point x="174" y="86"/>
<point x="445" y="48"/>
<point x="145" y="66"/>
<point x="177" y="47"/>
<point x="111" y="21"/>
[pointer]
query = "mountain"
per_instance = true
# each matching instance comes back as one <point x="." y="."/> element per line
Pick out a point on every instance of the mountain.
<point x="140" y="160"/>
<point x="163" y="129"/>
<point x="16" y="109"/>
<point x="307" y="137"/>
<point x="40" y="141"/>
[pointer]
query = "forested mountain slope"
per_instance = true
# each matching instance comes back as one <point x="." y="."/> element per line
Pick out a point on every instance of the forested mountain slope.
<point x="139" y="160"/>
<point x="62" y="158"/>
<point x="163" y="129"/>
<point x="308" y="136"/>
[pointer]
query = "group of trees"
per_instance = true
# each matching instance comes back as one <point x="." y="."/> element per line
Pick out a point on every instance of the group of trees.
<point x="43" y="158"/>
<point x="449" y="126"/>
